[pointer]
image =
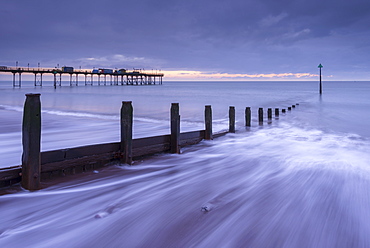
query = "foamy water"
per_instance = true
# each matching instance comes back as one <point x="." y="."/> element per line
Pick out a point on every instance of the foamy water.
<point x="301" y="181"/>
<point x="243" y="190"/>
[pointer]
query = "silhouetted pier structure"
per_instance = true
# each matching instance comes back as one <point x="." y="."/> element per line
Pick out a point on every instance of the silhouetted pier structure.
<point x="135" y="77"/>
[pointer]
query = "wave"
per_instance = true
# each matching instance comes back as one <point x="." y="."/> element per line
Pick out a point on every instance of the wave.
<point x="102" y="116"/>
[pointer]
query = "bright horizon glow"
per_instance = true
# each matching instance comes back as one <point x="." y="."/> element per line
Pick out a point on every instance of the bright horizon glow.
<point x="195" y="75"/>
<point x="199" y="75"/>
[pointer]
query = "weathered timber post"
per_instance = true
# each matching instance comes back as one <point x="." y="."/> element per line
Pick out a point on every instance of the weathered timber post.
<point x="208" y="122"/>
<point x="293" y="106"/>
<point x="126" y="132"/>
<point x="232" y="119"/>
<point x="283" y="110"/>
<point x="31" y="139"/>
<point x="269" y="113"/>
<point x="260" y="116"/>
<point x="276" y="111"/>
<point x="175" y="128"/>
<point x="248" y="116"/>
<point x="289" y="108"/>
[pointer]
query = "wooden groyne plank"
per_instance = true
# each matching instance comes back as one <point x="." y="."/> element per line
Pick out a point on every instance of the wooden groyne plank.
<point x="151" y="145"/>
<point x="9" y="176"/>
<point x="75" y="166"/>
<point x="191" y="138"/>
<point x="78" y="152"/>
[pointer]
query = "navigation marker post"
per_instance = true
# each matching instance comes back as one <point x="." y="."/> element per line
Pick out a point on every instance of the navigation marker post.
<point x="320" y="66"/>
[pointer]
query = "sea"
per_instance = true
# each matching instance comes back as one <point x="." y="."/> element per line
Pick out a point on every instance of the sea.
<point x="301" y="179"/>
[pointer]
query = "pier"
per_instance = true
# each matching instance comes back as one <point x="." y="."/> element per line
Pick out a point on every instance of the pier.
<point x="102" y="76"/>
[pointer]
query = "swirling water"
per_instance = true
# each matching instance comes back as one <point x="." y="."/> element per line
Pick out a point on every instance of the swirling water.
<point x="300" y="181"/>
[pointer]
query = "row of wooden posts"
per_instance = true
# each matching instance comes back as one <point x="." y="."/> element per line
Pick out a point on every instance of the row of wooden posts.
<point x="31" y="135"/>
<point x="127" y="121"/>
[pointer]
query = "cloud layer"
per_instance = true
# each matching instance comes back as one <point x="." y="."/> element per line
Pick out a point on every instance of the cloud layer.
<point x="246" y="37"/>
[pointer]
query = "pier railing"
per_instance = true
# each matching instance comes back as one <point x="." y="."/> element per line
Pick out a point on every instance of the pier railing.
<point x="82" y="71"/>
<point x="40" y="166"/>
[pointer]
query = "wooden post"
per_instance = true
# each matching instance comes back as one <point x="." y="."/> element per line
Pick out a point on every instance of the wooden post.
<point x="232" y="119"/>
<point x="175" y="128"/>
<point x="276" y="111"/>
<point x="31" y="139"/>
<point x="269" y="113"/>
<point x="283" y="110"/>
<point x="293" y="106"/>
<point x="248" y="116"/>
<point x="208" y="122"/>
<point x="260" y="116"/>
<point x="289" y="108"/>
<point x="126" y="132"/>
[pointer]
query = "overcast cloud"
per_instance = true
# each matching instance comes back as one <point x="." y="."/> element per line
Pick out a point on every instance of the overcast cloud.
<point x="221" y="37"/>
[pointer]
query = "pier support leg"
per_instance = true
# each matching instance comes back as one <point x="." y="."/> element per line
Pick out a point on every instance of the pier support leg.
<point x="175" y="128"/>
<point x="31" y="137"/>
<point x="208" y="122"/>
<point x="126" y="132"/>
<point x="260" y="116"/>
<point x="232" y="119"/>
<point x="19" y="79"/>
<point x="248" y="116"/>
<point x="55" y="80"/>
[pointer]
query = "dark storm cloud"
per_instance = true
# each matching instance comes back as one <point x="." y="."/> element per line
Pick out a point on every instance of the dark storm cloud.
<point x="226" y="36"/>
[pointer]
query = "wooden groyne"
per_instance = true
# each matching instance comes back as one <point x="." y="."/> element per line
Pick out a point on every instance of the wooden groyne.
<point x="40" y="166"/>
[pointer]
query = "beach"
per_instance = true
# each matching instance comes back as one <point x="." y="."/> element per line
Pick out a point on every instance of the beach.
<point x="300" y="181"/>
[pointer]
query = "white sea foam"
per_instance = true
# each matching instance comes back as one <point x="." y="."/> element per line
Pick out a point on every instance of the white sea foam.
<point x="283" y="185"/>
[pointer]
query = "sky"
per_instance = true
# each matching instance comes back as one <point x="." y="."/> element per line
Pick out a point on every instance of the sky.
<point x="192" y="39"/>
